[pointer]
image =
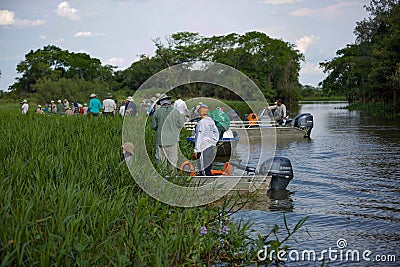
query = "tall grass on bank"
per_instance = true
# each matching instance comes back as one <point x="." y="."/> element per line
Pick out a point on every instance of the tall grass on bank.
<point x="380" y="110"/>
<point x="67" y="200"/>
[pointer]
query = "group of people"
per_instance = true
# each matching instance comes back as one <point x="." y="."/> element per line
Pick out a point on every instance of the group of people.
<point x="167" y="121"/>
<point x="107" y="107"/>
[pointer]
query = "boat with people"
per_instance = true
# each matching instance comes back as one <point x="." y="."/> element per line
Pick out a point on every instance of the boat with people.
<point x="273" y="174"/>
<point x="265" y="125"/>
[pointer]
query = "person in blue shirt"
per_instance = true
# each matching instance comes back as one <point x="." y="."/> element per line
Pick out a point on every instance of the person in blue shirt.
<point x="94" y="105"/>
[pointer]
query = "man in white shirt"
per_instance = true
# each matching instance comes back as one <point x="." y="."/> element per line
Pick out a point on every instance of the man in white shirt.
<point x="109" y="106"/>
<point x="280" y="111"/>
<point x="25" y="106"/>
<point x="180" y="106"/>
<point x="206" y="139"/>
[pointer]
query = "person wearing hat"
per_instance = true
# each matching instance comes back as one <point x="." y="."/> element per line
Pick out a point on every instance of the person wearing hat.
<point x="130" y="107"/>
<point x="94" y="105"/>
<point x="60" y="108"/>
<point x="109" y="106"/>
<point x="66" y="103"/>
<point x="206" y="138"/>
<point x="53" y="107"/>
<point x="25" y="106"/>
<point x="127" y="153"/>
<point x="167" y="122"/>
<point x="39" y="110"/>
<point x="85" y="109"/>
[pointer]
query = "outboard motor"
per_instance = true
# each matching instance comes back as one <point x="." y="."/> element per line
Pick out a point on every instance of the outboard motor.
<point x="281" y="171"/>
<point x="304" y="121"/>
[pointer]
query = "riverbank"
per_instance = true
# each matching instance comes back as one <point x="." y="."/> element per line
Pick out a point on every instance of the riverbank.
<point x="378" y="110"/>
<point x="67" y="200"/>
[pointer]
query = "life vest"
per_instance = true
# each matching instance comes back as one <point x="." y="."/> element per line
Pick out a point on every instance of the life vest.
<point x="191" y="168"/>
<point x="226" y="170"/>
<point x="252" y="118"/>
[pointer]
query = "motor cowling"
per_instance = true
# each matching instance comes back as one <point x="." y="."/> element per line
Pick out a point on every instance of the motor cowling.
<point x="304" y="121"/>
<point x="281" y="171"/>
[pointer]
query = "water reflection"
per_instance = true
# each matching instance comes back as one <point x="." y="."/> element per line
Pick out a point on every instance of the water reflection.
<point x="346" y="178"/>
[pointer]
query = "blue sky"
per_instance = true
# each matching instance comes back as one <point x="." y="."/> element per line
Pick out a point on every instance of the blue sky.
<point x="117" y="31"/>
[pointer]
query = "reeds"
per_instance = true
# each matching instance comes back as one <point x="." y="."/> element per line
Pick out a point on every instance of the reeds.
<point x="66" y="200"/>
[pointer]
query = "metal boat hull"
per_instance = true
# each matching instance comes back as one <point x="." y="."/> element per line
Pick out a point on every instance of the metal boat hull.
<point x="234" y="184"/>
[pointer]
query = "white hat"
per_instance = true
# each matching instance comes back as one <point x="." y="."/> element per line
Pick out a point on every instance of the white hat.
<point x="39" y="106"/>
<point x="130" y="98"/>
<point x="52" y="101"/>
<point x="59" y="101"/>
<point x="25" y="101"/>
<point x="93" y="95"/>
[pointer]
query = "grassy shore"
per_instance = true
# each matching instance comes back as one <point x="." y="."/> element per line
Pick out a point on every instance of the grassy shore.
<point x="67" y="200"/>
<point x="379" y="110"/>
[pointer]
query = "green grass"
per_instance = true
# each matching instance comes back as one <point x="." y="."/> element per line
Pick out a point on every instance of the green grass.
<point x="323" y="98"/>
<point x="379" y="110"/>
<point x="67" y="200"/>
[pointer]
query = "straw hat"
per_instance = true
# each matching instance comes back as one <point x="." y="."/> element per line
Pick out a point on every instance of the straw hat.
<point x="129" y="99"/>
<point x="128" y="147"/>
<point x="163" y="97"/>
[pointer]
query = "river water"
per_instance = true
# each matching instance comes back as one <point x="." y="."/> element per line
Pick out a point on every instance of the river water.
<point x="347" y="180"/>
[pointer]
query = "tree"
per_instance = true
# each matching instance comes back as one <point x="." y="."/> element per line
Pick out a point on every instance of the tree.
<point x="366" y="71"/>
<point x="52" y="64"/>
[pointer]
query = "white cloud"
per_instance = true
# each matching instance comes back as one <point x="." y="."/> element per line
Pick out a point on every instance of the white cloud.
<point x="87" y="34"/>
<point x="280" y="2"/>
<point x="7" y="17"/>
<point x="310" y="68"/>
<point x="304" y="42"/>
<point x="331" y="10"/>
<point x="302" y="12"/>
<point x="59" y="41"/>
<point x="64" y="10"/>
<point x="119" y="62"/>
<point x="38" y="22"/>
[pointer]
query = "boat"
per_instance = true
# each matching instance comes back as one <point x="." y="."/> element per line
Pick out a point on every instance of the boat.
<point x="236" y="177"/>
<point x="266" y="126"/>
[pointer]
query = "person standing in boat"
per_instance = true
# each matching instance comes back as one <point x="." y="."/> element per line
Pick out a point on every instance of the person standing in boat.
<point x="167" y="122"/>
<point x="280" y="111"/>
<point x="205" y="143"/>
<point x="221" y="120"/>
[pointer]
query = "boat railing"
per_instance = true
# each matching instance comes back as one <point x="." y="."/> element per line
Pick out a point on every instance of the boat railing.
<point x="238" y="124"/>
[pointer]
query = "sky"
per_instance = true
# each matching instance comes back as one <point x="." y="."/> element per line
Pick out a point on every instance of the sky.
<point x="118" y="31"/>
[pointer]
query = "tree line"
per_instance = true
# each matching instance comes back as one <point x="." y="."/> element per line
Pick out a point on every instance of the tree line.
<point x="272" y="64"/>
<point x="368" y="71"/>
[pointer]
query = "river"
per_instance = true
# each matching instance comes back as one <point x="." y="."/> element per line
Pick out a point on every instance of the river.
<point x="347" y="180"/>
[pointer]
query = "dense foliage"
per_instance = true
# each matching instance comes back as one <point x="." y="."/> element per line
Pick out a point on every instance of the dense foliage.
<point x="369" y="70"/>
<point x="52" y="73"/>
